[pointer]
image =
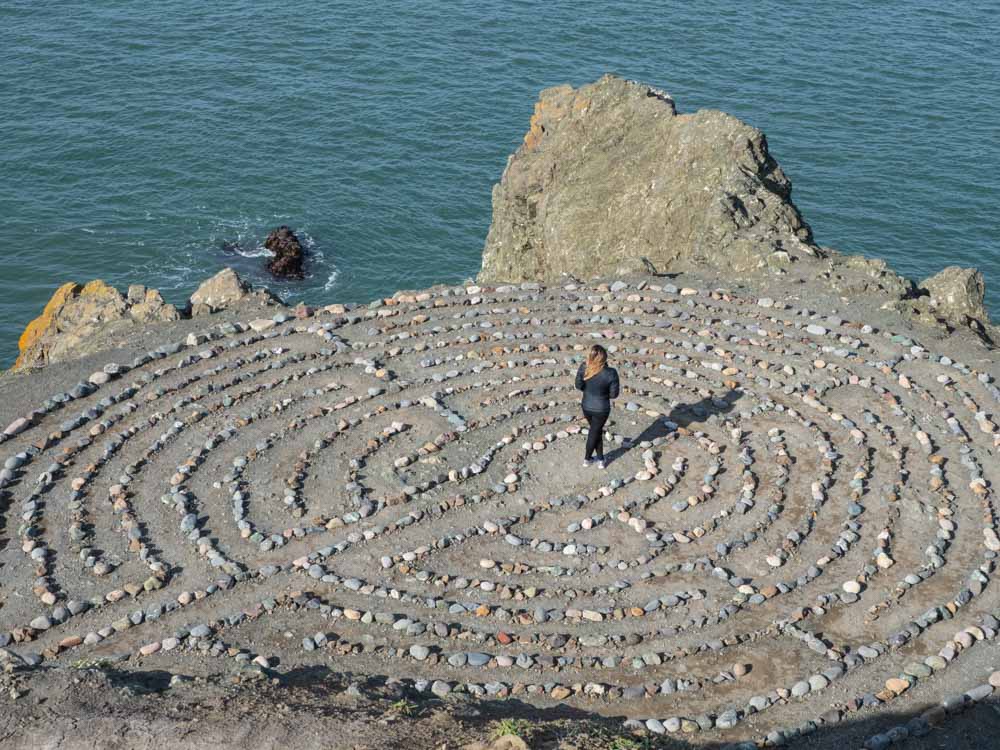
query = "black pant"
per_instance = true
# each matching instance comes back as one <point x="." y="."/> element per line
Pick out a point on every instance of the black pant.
<point x="595" y="438"/>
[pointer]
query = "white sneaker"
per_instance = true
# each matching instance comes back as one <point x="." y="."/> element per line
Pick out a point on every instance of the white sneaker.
<point x="601" y="465"/>
<point x="587" y="463"/>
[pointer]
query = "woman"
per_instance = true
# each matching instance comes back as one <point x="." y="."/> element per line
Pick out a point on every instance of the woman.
<point x="599" y="384"/>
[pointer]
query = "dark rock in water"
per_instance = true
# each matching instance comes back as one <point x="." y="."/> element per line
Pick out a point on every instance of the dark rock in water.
<point x="611" y="180"/>
<point x="288" y="253"/>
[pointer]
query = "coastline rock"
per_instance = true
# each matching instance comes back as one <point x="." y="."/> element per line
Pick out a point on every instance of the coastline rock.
<point x="77" y="312"/>
<point x="149" y="306"/>
<point x="78" y="320"/>
<point x="956" y="294"/>
<point x="953" y="298"/>
<point x="224" y="290"/>
<point x="288" y="253"/>
<point x="856" y="275"/>
<point x="610" y="180"/>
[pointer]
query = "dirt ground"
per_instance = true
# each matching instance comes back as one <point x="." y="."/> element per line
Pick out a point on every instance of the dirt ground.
<point x="112" y="710"/>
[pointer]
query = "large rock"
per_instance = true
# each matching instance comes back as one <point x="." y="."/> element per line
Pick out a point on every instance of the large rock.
<point x="952" y="298"/>
<point x="956" y="294"/>
<point x="75" y="313"/>
<point x="288" y="253"/>
<point x="857" y="276"/>
<point x="148" y="305"/>
<point x="225" y="290"/>
<point x="611" y="180"/>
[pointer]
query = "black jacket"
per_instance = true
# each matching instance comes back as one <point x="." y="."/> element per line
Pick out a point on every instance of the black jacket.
<point x="599" y="390"/>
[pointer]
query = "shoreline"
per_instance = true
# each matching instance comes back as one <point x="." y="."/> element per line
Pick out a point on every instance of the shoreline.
<point x="765" y="283"/>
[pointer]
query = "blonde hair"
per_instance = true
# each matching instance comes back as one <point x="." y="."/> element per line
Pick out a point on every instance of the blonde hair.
<point x="596" y="360"/>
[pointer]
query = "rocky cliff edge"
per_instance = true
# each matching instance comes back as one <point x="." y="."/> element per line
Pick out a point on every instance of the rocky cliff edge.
<point x="80" y="319"/>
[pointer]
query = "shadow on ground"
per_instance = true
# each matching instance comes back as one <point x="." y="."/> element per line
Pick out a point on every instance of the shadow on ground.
<point x="565" y="727"/>
<point x="682" y="416"/>
<point x="314" y="706"/>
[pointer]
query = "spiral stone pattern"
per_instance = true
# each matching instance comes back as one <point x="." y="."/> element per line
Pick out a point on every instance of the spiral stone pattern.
<point x="396" y="491"/>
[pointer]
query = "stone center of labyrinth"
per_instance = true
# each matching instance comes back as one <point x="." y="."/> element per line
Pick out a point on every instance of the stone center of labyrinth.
<point x="397" y="491"/>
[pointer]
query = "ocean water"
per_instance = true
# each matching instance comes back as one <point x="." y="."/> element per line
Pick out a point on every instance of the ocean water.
<point x="138" y="138"/>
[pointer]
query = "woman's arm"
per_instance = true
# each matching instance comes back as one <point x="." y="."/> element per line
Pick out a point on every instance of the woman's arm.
<point x="615" y="386"/>
<point x="579" y="379"/>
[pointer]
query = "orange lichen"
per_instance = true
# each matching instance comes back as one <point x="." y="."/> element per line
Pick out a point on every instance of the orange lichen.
<point x="39" y="325"/>
<point x="51" y="320"/>
<point x="535" y="129"/>
<point x="552" y="105"/>
<point x="98" y="288"/>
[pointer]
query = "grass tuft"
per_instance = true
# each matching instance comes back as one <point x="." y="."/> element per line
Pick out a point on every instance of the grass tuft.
<point x="507" y="727"/>
<point x="404" y="707"/>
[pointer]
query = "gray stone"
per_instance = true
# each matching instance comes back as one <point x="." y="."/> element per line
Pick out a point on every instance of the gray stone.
<point x="710" y="190"/>
<point x="957" y="295"/>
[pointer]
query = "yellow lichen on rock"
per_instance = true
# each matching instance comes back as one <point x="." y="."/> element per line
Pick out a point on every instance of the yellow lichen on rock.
<point x="100" y="290"/>
<point x="535" y="130"/>
<point x="76" y="314"/>
<point x="34" y="330"/>
<point x="81" y="319"/>
<point x="551" y="106"/>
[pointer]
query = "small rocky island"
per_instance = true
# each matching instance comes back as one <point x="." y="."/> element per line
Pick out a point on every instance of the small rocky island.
<point x="289" y="255"/>
<point x="366" y="525"/>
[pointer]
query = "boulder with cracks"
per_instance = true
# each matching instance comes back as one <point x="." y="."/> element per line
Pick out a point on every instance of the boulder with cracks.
<point x="612" y="180"/>
<point x="226" y="289"/>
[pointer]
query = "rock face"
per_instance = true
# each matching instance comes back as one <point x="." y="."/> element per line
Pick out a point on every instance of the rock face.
<point x="611" y="180"/>
<point x="288" y="253"/>
<point x="76" y="312"/>
<point x="225" y="290"/>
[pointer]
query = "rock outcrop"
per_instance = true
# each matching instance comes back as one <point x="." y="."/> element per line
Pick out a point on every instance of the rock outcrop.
<point x="288" y="254"/>
<point x="856" y="275"/>
<point x="77" y="312"/>
<point x="610" y="180"/>
<point x="953" y="299"/>
<point x="81" y="319"/>
<point x="225" y="290"/>
<point x="956" y="295"/>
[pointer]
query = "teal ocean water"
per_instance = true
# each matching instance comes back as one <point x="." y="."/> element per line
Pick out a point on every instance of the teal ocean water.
<point x="137" y="138"/>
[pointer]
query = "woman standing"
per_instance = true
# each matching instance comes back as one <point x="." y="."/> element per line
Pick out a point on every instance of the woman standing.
<point x="600" y="385"/>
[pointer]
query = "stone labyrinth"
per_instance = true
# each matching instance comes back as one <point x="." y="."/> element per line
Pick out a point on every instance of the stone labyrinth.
<point x="396" y="492"/>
